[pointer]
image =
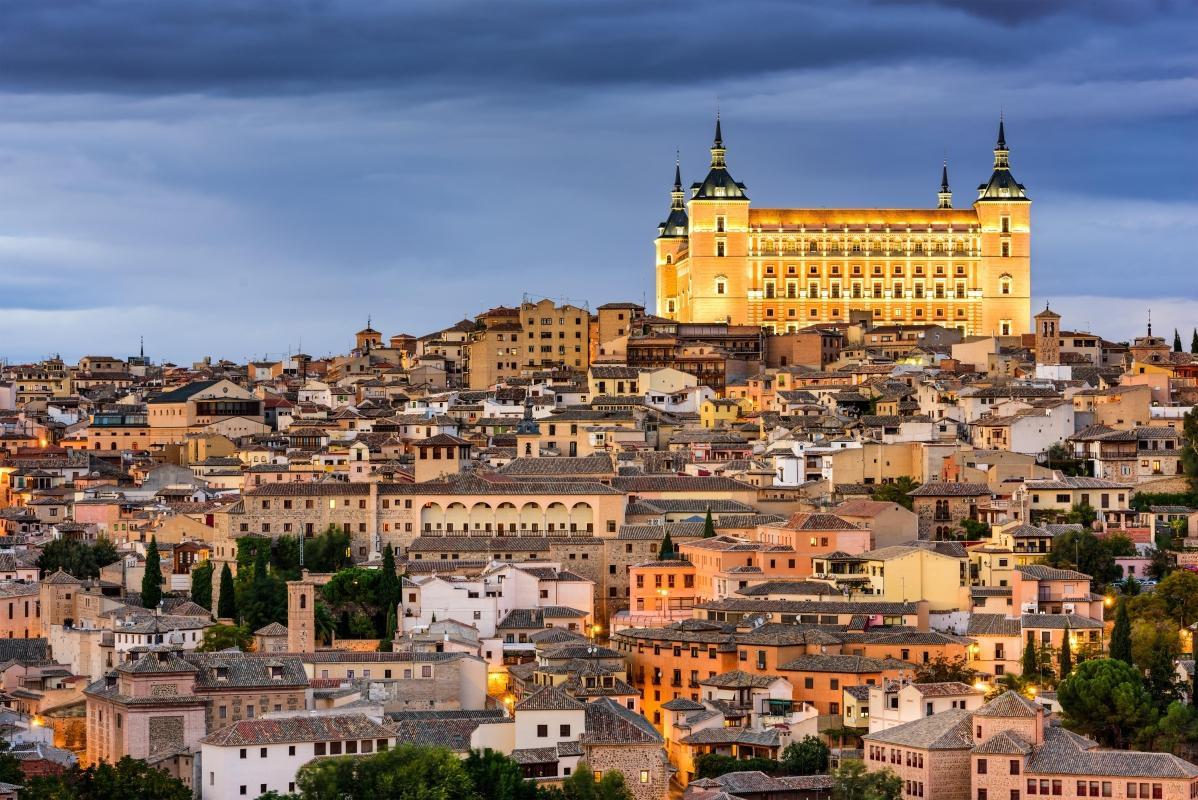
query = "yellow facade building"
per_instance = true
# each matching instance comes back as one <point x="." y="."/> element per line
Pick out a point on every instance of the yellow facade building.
<point x="719" y="259"/>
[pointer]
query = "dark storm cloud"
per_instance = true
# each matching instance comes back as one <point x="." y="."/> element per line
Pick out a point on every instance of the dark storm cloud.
<point x="230" y="178"/>
<point x="283" y="46"/>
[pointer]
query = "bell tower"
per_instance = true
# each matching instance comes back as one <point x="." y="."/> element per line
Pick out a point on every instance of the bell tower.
<point x="1048" y="333"/>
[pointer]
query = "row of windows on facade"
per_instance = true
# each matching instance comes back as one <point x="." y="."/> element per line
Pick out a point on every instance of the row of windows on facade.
<point x="721" y="223"/>
<point x="721" y="250"/>
<point x="859" y="289"/>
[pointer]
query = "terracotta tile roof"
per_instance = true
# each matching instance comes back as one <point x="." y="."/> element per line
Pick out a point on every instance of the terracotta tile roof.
<point x="948" y="730"/>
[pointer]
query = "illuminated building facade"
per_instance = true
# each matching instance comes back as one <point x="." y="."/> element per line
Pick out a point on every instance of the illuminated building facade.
<point x="719" y="259"/>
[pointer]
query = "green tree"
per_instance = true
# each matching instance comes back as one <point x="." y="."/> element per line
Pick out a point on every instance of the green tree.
<point x="713" y="765"/>
<point x="1194" y="342"/>
<point x="666" y="551"/>
<point x="328" y="552"/>
<point x="897" y="492"/>
<point x="1179" y="593"/>
<point x="808" y="756"/>
<point x="77" y="558"/>
<point x="1066" y="662"/>
<point x="151" y="579"/>
<point x="708" y="525"/>
<point x="852" y="781"/>
<point x="943" y="669"/>
<point x="497" y="777"/>
<point x="263" y="598"/>
<point x="1031" y="661"/>
<point x="201" y="584"/>
<point x="1106" y="699"/>
<point x="389" y="581"/>
<point x="405" y="772"/>
<point x="975" y="529"/>
<point x="1131" y="586"/>
<point x="226" y="603"/>
<point x="129" y="777"/>
<point x="354" y="597"/>
<point x="1162" y="678"/>
<point x="326" y="623"/>
<point x="1189" y="451"/>
<point x="1083" y="551"/>
<point x="222" y="637"/>
<point x="1120" y="647"/>
<point x="583" y="786"/>
<point x="1060" y="457"/>
<point x="285" y="558"/>
<point x="10" y="766"/>
<point x="1176" y="341"/>
<point x="1083" y="514"/>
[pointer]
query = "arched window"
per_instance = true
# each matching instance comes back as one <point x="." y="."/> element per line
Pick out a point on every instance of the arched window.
<point x="721" y="285"/>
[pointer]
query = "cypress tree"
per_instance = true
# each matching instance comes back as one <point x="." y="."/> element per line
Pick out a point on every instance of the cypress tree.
<point x="1121" y="635"/>
<point x="1066" y="655"/>
<point x="1194" y="342"/>
<point x="1176" y="341"/>
<point x="708" y="525"/>
<point x="389" y="585"/>
<point x="226" y="603"/>
<point x="667" y="548"/>
<point x="151" y="579"/>
<point x="201" y="585"/>
<point x="1031" y="665"/>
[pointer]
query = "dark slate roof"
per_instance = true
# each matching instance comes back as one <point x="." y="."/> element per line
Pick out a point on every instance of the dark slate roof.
<point x="24" y="650"/>
<point x="283" y="730"/>
<point x="246" y="670"/>
<point x="182" y="393"/>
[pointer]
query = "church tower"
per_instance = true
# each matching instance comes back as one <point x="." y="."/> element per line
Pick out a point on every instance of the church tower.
<point x="1048" y="333"/>
<point x="719" y="242"/>
<point x="671" y="242"/>
<point x="1004" y="214"/>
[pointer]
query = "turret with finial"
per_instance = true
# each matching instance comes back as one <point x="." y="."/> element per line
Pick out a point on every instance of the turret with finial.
<point x="944" y="198"/>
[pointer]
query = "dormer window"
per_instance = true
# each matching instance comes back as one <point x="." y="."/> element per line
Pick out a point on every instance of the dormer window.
<point x="222" y="674"/>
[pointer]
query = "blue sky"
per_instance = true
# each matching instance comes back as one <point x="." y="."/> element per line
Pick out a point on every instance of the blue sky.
<point x="238" y="179"/>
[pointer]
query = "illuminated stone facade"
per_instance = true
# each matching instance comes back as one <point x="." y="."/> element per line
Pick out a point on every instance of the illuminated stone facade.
<point x="719" y="259"/>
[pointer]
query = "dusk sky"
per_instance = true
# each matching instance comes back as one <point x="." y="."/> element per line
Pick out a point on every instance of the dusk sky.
<point x="240" y="179"/>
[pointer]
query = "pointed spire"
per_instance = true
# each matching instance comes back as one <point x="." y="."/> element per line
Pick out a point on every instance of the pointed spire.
<point x="944" y="198"/>
<point x="1001" y="151"/>
<point x="717" y="145"/>
<point x="1150" y="322"/>
<point x="142" y="346"/>
<point x="677" y="172"/>
<point x="677" y="196"/>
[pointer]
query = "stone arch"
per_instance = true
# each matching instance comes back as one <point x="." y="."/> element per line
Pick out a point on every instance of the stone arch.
<point x="507" y="517"/>
<point x="582" y="518"/>
<point x="557" y="517"/>
<point x="457" y="517"/>
<point x="531" y="516"/>
<point x="432" y="517"/>
<point x="482" y="517"/>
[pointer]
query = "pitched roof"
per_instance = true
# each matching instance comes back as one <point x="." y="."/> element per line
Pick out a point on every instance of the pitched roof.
<point x="283" y="730"/>
<point x="550" y="698"/>
<point x="947" y="730"/>
<point x="1009" y="704"/>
